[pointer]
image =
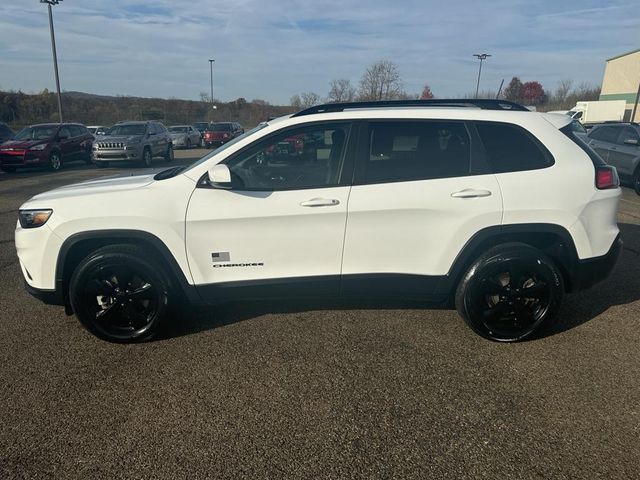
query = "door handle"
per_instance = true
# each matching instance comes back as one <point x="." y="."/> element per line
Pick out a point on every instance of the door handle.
<point x="471" y="193"/>
<point x="320" y="202"/>
<point x="614" y="148"/>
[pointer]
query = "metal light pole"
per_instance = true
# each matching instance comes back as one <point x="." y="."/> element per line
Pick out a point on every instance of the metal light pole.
<point x="211" y="65"/>
<point x="481" y="57"/>
<point x="53" y="48"/>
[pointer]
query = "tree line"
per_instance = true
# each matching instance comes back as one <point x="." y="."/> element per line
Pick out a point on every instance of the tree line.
<point x="382" y="81"/>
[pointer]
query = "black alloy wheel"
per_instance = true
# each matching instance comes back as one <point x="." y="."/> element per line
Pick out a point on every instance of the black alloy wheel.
<point x="509" y="293"/>
<point x="55" y="160"/>
<point x="118" y="295"/>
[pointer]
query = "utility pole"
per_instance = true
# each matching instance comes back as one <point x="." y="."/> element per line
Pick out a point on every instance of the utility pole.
<point x="481" y="57"/>
<point x="211" y="65"/>
<point x="55" y="56"/>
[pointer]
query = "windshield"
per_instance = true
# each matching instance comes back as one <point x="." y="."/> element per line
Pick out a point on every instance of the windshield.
<point x="246" y="134"/>
<point x="220" y="127"/>
<point x="127" y="130"/>
<point x="36" y="133"/>
<point x="178" y="129"/>
<point x="92" y="130"/>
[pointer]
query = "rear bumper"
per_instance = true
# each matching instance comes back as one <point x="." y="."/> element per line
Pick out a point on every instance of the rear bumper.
<point x="587" y="273"/>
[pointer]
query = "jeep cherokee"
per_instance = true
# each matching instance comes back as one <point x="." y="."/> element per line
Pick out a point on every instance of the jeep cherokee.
<point x="475" y="202"/>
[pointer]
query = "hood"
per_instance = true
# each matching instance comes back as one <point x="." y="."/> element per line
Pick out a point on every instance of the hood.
<point x="21" y="144"/>
<point x="118" y="138"/>
<point x="102" y="185"/>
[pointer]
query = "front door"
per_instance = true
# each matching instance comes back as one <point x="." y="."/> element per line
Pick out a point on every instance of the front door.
<point x="624" y="155"/>
<point x="279" y="230"/>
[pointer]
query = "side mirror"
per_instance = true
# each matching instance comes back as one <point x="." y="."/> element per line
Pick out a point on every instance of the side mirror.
<point x="220" y="176"/>
<point x="631" y="141"/>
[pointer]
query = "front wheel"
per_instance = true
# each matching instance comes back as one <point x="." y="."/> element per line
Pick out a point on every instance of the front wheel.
<point x="510" y="292"/>
<point x="147" y="158"/>
<point x="119" y="295"/>
<point x="169" y="155"/>
<point x="55" y="160"/>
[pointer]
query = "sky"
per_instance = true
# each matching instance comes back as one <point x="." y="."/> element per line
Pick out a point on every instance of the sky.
<point x="273" y="49"/>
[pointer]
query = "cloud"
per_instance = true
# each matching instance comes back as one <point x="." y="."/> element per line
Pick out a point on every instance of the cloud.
<point x="271" y="50"/>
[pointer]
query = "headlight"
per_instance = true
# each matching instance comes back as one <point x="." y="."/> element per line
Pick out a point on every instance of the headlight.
<point x="42" y="146"/>
<point x="34" y="218"/>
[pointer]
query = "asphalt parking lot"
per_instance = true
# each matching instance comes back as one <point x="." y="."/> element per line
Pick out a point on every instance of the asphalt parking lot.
<point x="318" y="391"/>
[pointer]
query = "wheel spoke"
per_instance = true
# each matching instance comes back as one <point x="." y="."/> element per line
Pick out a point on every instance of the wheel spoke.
<point x="99" y="287"/>
<point x="136" y="318"/>
<point x="537" y="291"/>
<point x="122" y="276"/>
<point x="492" y="286"/>
<point x="106" y="312"/>
<point x="495" y="312"/>
<point x="143" y="292"/>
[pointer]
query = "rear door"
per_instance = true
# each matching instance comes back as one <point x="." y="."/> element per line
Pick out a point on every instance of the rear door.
<point x="603" y="139"/>
<point x="68" y="148"/>
<point x="420" y="193"/>
<point x="624" y="156"/>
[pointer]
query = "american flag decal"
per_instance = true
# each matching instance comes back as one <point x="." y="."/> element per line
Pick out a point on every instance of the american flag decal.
<point x="220" y="257"/>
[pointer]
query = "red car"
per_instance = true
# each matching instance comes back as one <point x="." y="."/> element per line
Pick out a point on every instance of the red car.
<point x="221" y="133"/>
<point x="52" y="144"/>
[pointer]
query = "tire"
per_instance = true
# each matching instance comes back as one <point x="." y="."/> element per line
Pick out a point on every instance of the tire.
<point x="169" y="156"/>
<point x="119" y="295"/>
<point x="55" y="161"/>
<point x="491" y="295"/>
<point x="636" y="181"/>
<point x="102" y="164"/>
<point x="7" y="169"/>
<point x="147" y="158"/>
<point x="188" y="144"/>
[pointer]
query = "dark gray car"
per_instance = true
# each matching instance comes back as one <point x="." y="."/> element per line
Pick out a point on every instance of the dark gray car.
<point x="619" y="145"/>
<point x="133" y="141"/>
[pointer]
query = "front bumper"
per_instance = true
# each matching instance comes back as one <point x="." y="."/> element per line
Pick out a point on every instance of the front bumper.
<point x="587" y="273"/>
<point x="50" y="297"/>
<point x="116" y="154"/>
<point x="23" y="158"/>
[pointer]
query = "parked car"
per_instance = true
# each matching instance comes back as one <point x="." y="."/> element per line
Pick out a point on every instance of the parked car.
<point x="444" y="204"/>
<point x="184" y="136"/>
<point x="5" y="133"/>
<point x="52" y="144"/>
<point x="618" y="143"/>
<point x="133" y="141"/>
<point x="97" y="130"/>
<point x="201" y="127"/>
<point x="221" y="132"/>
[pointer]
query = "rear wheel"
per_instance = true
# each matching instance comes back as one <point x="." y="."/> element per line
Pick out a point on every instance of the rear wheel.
<point x="119" y="295"/>
<point x="510" y="292"/>
<point x="147" y="158"/>
<point x="168" y="156"/>
<point x="55" y="160"/>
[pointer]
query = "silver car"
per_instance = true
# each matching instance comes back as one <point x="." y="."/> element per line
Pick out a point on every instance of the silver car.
<point x="185" y="136"/>
<point x="133" y="141"/>
<point x="619" y="145"/>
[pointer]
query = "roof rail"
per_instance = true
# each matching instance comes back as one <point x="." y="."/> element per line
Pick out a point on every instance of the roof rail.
<point x="484" y="104"/>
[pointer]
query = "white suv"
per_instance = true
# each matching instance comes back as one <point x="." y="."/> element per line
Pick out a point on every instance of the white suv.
<point x="478" y="201"/>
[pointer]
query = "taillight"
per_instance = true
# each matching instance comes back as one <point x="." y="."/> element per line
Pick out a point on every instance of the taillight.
<point x="607" y="177"/>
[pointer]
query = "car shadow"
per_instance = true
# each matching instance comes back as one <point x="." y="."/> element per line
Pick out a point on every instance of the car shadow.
<point x="622" y="287"/>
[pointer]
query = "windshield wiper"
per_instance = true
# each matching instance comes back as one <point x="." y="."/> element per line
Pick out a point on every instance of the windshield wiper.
<point x="169" y="172"/>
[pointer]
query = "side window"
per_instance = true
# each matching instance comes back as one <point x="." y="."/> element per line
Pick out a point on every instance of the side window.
<point x="627" y="133"/>
<point x="302" y="157"/>
<point x="406" y="151"/>
<point x="65" y="132"/>
<point x="511" y="149"/>
<point x="76" y="131"/>
<point x="605" y="134"/>
<point x="151" y="128"/>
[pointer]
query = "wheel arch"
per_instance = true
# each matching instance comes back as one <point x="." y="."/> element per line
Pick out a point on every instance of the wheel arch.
<point x="78" y="246"/>
<point x="554" y="240"/>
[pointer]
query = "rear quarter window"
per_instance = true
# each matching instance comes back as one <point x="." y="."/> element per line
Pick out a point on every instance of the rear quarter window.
<point x="512" y="149"/>
<point x="595" y="158"/>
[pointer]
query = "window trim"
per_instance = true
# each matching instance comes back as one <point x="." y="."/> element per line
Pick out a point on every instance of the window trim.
<point x="477" y="161"/>
<point x="345" y="175"/>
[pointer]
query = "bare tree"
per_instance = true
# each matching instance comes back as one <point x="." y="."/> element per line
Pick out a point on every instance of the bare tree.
<point x="341" y="91"/>
<point x="563" y="90"/>
<point x="205" y="97"/>
<point x="305" y="100"/>
<point x="426" y="94"/>
<point x="381" y="81"/>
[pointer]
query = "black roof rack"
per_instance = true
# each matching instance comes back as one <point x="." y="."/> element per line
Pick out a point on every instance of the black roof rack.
<point x="484" y="104"/>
